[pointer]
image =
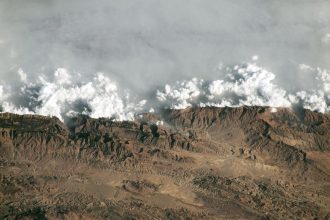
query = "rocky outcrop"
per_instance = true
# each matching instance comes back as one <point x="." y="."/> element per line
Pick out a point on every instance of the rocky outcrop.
<point x="280" y="138"/>
<point x="246" y="162"/>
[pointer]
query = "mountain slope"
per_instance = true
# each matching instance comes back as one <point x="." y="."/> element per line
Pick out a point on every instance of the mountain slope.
<point x="213" y="163"/>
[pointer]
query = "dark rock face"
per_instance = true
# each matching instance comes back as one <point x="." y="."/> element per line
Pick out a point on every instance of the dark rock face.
<point x="211" y="163"/>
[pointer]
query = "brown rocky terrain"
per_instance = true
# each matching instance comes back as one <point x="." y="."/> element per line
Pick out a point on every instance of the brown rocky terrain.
<point x="200" y="163"/>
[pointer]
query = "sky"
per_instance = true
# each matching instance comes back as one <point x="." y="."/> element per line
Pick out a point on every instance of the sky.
<point x="143" y="45"/>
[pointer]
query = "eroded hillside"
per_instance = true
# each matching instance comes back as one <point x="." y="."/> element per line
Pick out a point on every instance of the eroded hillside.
<point x="199" y="163"/>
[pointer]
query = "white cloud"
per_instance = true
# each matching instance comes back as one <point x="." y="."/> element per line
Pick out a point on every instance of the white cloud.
<point x="313" y="101"/>
<point x="99" y="98"/>
<point x="1" y="92"/>
<point x="182" y="94"/>
<point x="9" y="107"/>
<point x="246" y="84"/>
<point x="243" y="84"/>
<point x="22" y="75"/>
<point x="62" y="76"/>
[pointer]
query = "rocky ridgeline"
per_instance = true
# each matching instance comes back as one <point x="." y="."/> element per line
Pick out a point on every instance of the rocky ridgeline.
<point x="85" y="140"/>
<point x="280" y="138"/>
<point x="195" y="163"/>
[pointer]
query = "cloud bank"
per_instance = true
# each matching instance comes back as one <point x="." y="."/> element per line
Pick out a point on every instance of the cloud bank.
<point x="62" y="97"/>
<point x="250" y="85"/>
<point x="52" y="53"/>
<point x="65" y="94"/>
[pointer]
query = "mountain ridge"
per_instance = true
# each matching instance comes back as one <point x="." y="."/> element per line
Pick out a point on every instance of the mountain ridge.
<point x="215" y="154"/>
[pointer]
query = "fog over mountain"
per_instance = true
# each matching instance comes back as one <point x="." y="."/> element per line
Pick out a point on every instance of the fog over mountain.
<point x="117" y="58"/>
